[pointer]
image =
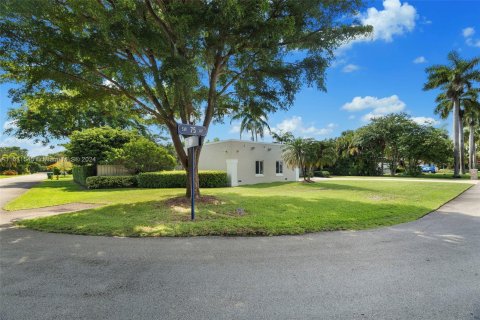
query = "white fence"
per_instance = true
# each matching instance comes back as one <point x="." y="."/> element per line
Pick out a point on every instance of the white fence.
<point x="112" y="170"/>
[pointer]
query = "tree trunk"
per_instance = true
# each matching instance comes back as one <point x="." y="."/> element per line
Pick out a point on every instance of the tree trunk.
<point x="456" y="138"/>
<point x="462" y="145"/>
<point x="471" y="147"/>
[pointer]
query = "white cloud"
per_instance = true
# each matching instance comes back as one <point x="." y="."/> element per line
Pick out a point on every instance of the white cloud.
<point x="395" y="19"/>
<point x="235" y="128"/>
<point x="425" y="120"/>
<point x="350" y="68"/>
<point x="468" y="32"/>
<point x="419" y="60"/>
<point x="9" y="125"/>
<point x="378" y="106"/>
<point x="473" y="42"/>
<point x="34" y="149"/>
<point x="425" y="21"/>
<point x="297" y="127"/>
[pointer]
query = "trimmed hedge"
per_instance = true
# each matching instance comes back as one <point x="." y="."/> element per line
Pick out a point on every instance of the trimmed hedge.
<point x="178" y="179"/>
<point x="110" y="182"/>
<point x="81" y="173"/>
<point x="323" y="173"/>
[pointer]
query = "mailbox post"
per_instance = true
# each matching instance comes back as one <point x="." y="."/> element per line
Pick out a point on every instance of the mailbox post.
<point x="193" y="137"/>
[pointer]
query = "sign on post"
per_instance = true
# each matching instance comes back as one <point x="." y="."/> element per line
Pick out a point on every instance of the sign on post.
<point x="191" y="130"/>
<point x="193" y="139"/>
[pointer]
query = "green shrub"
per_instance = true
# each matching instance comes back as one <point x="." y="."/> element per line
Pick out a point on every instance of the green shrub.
<point x="50" y="175"/>
<point x="81" y="173"/>
<point x="178" y="179"/>
<point x="35" y="167"/>
<point x="413" y="171"/>
<point x="110" y="182"/>
<point x="10" y="172"/>
<point x="91" y="146"/>
<point x="323" y="173"/>
<point x="142" y="155"/>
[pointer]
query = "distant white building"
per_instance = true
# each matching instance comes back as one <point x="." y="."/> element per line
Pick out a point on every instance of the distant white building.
<point x="247" y="162"/>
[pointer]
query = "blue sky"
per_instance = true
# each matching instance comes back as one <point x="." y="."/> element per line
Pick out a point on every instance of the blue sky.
<point x="370" y="77"/>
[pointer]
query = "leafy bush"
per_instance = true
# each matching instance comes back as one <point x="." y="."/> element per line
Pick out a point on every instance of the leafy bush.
<point x="178" y="179"/>
<point x="63" y="165"/>
<point x="413" y="171"/>
<point x="81" y="173"/>
<point x="36" y="167"/>
<point x="109" y="182"/>
<point x="10" y="172"/>
<point x="323" y="173"/>
<point x="142" y="155"/>
<point x="93" y="145"/>
<point x="50" y="175"/>
<point x="56" y="171"/>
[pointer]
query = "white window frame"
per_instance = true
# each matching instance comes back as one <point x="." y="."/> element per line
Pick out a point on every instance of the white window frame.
<point x="260" y="166"/>
<point x="279" y="164"/>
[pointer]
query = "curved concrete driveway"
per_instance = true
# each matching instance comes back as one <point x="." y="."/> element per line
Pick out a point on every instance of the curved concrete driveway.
<point x="427" y="269"/>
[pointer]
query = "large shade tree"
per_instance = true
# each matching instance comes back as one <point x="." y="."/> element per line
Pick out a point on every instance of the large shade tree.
<point x="454" y="80"/>
<point x="178" y="61"/>
<point x="45" y="116"/>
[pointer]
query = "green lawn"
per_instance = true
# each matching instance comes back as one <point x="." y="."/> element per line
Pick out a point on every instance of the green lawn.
<point x="2" y="176"/>
<point x="447" y="176"/>
<point x="266" y="209"/>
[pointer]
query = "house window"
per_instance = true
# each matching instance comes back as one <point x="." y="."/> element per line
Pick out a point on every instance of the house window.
<point x="279" y="167"/>
<point x="259" y="167"/>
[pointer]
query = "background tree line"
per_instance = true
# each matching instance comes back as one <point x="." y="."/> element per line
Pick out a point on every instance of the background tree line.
<point x="394" y="140"/>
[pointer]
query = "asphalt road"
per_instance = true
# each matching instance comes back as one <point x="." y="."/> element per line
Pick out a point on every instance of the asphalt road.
<point x="427" y="269"/>
<point x="10" y="188"/>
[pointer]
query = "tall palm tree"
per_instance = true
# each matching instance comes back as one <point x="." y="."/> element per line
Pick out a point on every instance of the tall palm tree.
<point x="10" y="160"/>
<point x="472" y="119"/>
<point x="454" y="79"/>
<point x="253" y="119"/>
<point x="444" y="108"/>
<point x="319" y="154"/>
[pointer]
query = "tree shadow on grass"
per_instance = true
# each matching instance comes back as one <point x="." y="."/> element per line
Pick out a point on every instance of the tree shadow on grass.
<point x="322" y="185"/>
<point x="274" y="215"/>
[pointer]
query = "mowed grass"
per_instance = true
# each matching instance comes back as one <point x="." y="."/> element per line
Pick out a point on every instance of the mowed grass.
<point x="3" y="176"/>
<point x="266" y="209"/>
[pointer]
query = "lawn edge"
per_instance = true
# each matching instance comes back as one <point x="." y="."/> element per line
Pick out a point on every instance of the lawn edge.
<point x="368" y="229"/>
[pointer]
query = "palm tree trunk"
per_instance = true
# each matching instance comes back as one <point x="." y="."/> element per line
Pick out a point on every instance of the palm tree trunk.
<point x="471" y="147"/>
<point x="462" y="146"/>
<point x="456" y="146"/>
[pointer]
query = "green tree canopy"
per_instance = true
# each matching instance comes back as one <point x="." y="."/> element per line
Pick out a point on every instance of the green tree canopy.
<point x="45" y="115"/>
<point x="187" y="61"/>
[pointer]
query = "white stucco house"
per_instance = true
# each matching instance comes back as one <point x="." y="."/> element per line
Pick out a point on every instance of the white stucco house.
<point x="247" y="162"/>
